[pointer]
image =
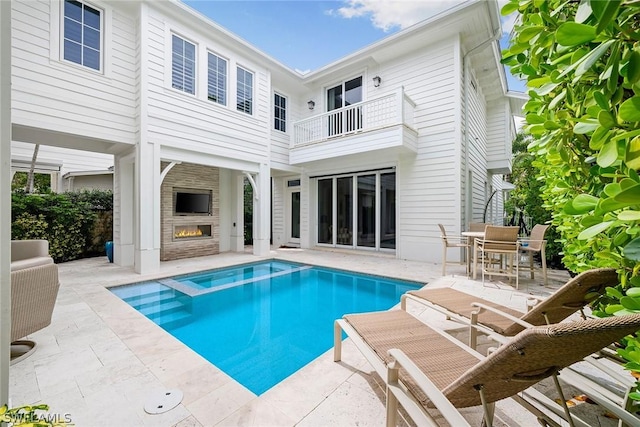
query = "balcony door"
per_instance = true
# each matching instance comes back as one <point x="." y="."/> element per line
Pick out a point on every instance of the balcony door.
<point x="342" y="96"/>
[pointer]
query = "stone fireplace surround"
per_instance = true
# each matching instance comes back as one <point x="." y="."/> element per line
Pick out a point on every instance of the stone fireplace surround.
<point x="198" y="178"/>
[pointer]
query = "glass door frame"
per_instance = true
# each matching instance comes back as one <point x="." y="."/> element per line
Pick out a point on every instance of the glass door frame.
<point x="288" y="209"/>
<point x="354" y="210"/>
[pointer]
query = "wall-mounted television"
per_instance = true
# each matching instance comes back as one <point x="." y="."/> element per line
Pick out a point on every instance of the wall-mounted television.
<point x="192" y="203"/>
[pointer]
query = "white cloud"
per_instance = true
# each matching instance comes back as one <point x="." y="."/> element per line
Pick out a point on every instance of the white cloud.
<point x="388" y="14"/>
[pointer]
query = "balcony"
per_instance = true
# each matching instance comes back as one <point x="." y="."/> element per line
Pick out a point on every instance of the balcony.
<point x="384" y="123"/>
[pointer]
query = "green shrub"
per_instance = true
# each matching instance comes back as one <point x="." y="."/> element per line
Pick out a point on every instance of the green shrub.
<point x="76" y="224"/>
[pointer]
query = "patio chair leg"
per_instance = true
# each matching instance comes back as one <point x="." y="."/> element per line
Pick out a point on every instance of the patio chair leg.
<point x="488" y="408"/>
<point x="563" y="400"/>
<point x="444" y="260"/>
<point x="543" y="260"/>
<point x="531" y="264"/>
<point x="392" y="401"/>
<point x="337" y="342"/>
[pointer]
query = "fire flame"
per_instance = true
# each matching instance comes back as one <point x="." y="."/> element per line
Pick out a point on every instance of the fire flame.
<point x="188" y="232"/>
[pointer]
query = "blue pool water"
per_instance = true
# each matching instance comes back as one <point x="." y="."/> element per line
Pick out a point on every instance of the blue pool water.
<point x="260" y="322"/>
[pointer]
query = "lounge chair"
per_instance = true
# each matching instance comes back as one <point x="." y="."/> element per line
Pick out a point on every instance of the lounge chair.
<point x="490" y="318"/>
<point x="425" y="368"/>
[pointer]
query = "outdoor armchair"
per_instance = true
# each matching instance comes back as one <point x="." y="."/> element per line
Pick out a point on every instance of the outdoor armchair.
<point x="535" y="243"/>
<point x="499" y="251"/>
<point x="426" y="368"/>
<point x="452" y="242"/>
<point x="34" y="288"/>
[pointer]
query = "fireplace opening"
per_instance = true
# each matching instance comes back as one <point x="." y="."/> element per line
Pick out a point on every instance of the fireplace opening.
<point x="181" y="232"/>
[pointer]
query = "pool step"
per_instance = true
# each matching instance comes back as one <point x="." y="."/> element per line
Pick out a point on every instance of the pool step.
<point x="174" y="319"/>
<point x="137" y="290"/>
<point x="158" y="308"/>
<point x="143" y="300"/>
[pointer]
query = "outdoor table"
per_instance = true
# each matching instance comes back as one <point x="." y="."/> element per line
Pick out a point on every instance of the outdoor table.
<point x="473" y="236"/>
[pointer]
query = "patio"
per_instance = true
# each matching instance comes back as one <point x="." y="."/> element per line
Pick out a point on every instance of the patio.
<point x="100" y="360"/>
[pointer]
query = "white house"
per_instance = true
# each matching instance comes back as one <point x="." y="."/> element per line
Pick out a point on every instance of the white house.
<point x="370" y="152"/>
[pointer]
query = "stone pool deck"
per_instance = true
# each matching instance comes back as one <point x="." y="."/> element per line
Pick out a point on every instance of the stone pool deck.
<point x="100" y="360"/>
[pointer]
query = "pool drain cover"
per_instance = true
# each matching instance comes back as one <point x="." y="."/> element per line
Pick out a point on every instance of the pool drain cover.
<point x="163" y="401"/>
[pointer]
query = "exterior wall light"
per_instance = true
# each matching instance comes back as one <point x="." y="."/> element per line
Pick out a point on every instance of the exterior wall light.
<point x="376" y="81"/>
<point x="311" y="104"/>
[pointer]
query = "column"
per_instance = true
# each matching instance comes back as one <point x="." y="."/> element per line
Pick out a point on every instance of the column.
<point x="262" y="212"/>
<point x="147" y="208"/>
<point x="123" y="210"/>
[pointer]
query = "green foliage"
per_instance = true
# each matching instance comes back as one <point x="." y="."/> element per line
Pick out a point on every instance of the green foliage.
<point x="31" y="416"/>
<point x="41" y="182"/>
<point x="526" y="196"/>
<point x="68" y="221"/>
<point x="581" y="61"/>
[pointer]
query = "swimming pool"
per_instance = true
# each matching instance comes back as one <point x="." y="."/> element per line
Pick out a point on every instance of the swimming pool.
<point x="260" y="322"/>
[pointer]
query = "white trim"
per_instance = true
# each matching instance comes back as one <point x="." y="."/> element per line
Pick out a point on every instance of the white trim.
<point x="253" y="90"/>
<point x="169" y="63"/>
<point x="56" y="38"/>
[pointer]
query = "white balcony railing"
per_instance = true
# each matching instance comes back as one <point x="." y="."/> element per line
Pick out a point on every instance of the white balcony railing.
<point x="390" y="110"/>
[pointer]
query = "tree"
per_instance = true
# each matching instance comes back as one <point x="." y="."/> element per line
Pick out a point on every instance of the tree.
<point x="581" y="61"/>
<point x="525" y="199"/>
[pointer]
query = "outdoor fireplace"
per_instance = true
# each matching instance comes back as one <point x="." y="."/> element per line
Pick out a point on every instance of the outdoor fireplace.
<point x="181" y="232"/>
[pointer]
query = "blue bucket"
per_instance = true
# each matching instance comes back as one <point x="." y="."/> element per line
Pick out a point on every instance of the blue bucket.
<point x="109" y="248"/>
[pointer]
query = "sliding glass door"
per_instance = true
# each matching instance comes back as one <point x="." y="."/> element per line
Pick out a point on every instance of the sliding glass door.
<point x="363" y="207"/>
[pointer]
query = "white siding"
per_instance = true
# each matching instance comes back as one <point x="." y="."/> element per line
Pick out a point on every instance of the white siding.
<point x="55" y="95"/>
<point x="70" y="160"/>
<point x="177" y="119"/>
<point x="278" y="214"/>
<point x="477" y="149"/>
<point x="280" y="141"/>
<point x="499" y="131"/>
<point x="428" y="183"/>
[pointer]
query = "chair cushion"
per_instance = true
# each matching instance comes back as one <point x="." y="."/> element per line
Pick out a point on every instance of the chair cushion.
<point x="31" y="262"/>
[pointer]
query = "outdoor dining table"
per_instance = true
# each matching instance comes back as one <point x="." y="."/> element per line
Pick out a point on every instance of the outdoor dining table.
<point x="473" y="236"/>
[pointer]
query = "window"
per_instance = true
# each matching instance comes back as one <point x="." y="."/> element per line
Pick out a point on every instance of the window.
<point x="183" y="65"/>
<point x="217" y="80"/>
<point x="244" y="95"/>
<point x="82" y="29"/>
<point x="280" y="113"/>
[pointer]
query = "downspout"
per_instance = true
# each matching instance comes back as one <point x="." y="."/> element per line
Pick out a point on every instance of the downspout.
<point x="468" y="197"/>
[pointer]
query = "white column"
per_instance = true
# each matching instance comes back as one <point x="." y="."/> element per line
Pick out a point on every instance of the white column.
<point x="5" y="198"/>
<point x="123" y="210"/>
<point x="146" y="192"/>
<point x="147" y="208"/>
<point x="262" y="212"/>
<point x="308" y="209"/>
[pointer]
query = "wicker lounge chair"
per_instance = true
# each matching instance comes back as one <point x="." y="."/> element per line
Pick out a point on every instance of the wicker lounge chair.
<point x="490" y="318"/>
<point x="425" y="368"/>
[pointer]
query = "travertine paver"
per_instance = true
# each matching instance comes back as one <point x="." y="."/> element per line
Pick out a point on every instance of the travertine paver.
<point x="100" y="359"/>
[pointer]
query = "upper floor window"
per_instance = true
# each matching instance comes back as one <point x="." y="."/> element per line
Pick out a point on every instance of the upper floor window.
<point x="217" y="79"/>
<point x="82" y="29"/>
<point x="183" y="65"/>
<point x="280" y="112"/>
<point x="244" y="95"/>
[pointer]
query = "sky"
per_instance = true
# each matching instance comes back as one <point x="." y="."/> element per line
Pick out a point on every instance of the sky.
<point x="306" y="35"/>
